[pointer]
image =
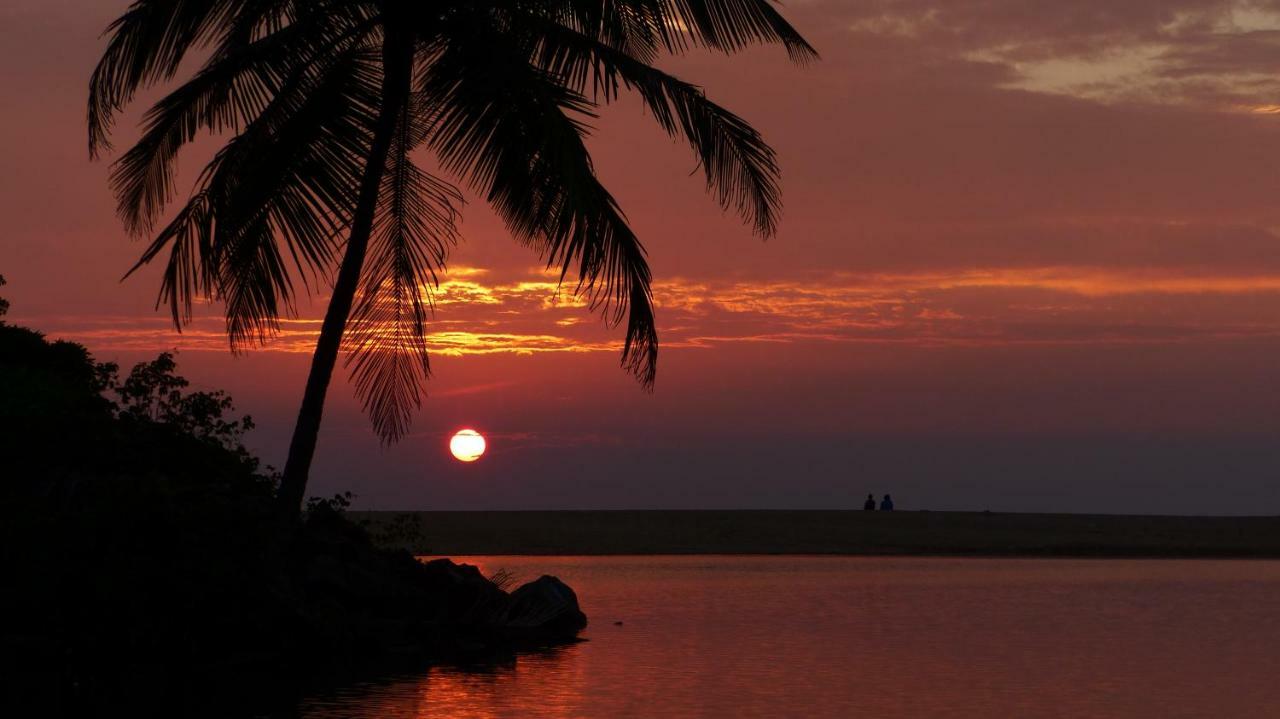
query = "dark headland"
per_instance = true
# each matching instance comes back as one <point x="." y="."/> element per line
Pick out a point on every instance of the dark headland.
<point x="823" y="532"/>
<point x="147" y="562"/>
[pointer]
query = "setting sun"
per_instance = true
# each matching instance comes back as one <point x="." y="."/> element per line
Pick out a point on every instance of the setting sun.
<point x="467" y="445"/>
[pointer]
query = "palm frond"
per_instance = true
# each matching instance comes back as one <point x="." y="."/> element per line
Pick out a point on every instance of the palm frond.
<point x="414" y="229"/>
<point x="233" y="88"/>
<point x="147" y="45"/>
<point x="638" y="27"/>
<point x="619" y="25"/>
<point x="518" y="136"/>
<point x="253" y="282"/>
<point x="288" y="176"/>
<point x="284" y="180"/>
<point x="187" y="273"/>
<point x="741" y="169"/>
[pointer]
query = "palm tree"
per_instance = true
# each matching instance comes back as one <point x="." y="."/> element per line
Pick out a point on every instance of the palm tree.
<point x="325" y="102"/>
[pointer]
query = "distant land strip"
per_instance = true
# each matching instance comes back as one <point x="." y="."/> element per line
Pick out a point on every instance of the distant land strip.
<point x="990" y="534"/>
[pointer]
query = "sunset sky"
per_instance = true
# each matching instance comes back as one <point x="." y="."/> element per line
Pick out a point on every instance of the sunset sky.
<point x="1028" y="261"/>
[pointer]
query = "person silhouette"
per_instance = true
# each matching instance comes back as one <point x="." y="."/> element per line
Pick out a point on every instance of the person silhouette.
<point x="870" y="504"/>
<point x="886" y="504"/>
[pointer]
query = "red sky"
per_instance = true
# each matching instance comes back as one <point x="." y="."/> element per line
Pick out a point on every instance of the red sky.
<point x="1028" y="261"/>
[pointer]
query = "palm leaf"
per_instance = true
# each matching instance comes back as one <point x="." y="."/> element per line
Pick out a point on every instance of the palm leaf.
<point x="640" y="27"/>
<point x="284" y="177"/>
<point x="517" y="135"/>
<point x="414" y="228"/>
<point x="233" y="88"/>
<point x="740" y="167"/>
<point x="147" y="45"/>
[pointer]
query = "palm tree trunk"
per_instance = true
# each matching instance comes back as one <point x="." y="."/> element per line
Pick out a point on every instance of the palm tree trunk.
<point x="397" y="59"/>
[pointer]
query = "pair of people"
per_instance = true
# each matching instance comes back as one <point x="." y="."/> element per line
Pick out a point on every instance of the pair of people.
<point x="886" y="504"/>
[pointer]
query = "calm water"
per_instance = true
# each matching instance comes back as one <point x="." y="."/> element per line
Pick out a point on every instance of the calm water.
<point x="857" y="637"/>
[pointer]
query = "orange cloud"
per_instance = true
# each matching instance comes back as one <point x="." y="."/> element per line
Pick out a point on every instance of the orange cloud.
<point x="531" y="315"/>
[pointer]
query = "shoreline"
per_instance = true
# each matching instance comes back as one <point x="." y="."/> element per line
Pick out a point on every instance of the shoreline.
<point x="823" y="533"/>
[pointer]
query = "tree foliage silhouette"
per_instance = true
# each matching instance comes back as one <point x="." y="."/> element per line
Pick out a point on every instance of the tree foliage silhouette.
<point x="326" y="102"/>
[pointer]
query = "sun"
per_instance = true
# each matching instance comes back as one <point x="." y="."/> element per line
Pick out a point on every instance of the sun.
<point x="467" y="445"/>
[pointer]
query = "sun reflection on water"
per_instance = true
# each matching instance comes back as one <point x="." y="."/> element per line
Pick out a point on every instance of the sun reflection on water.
<point x="466" y="692"/>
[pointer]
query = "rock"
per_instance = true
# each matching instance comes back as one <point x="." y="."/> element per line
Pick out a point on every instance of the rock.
<point x="543" y="610"/>
<point x="467" y="597"/>
<point x="458" y="575"/>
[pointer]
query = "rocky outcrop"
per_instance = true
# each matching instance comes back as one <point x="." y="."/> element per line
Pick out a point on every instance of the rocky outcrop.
<point x="544" y="609"/>
<point x="356" y="595"/>
<point x="467" y="597"/>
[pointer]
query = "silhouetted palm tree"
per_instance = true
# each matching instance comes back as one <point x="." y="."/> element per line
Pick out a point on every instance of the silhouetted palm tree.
<point x="324" y="101"/>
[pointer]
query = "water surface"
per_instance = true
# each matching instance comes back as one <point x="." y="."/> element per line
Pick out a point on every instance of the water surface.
<point x="718" y="636"/>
